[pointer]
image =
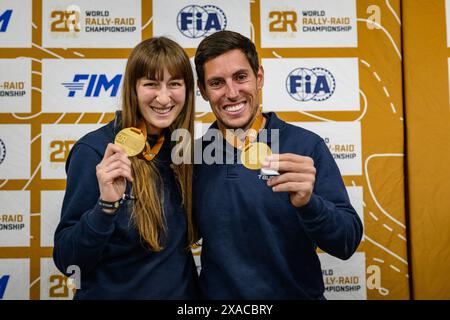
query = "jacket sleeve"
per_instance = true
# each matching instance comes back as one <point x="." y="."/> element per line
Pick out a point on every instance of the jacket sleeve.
<point x="84" y="229"/>
<point x="329" y="219"/>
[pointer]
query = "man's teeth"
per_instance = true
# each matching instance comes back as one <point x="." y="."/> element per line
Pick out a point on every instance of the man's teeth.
<point x="235" y="107"/>
<point x="162" y="110"/>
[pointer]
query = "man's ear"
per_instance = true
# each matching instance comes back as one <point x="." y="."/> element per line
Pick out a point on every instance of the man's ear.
<point x="202" y="91"/>
<point x="260" y="77"/>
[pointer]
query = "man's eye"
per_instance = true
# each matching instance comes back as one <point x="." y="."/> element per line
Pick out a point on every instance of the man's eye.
<point x="242" y="76"/>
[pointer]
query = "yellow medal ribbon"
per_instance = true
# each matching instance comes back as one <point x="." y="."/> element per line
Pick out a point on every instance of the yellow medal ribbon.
<point x="251" y="135"/>
<point x="150" y="152"/>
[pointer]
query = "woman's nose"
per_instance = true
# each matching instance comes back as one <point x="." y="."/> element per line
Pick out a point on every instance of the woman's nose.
<point x="163" y="96"/>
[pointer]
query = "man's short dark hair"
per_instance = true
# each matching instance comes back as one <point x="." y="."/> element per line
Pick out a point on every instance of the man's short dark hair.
<point x="219" y="43"/>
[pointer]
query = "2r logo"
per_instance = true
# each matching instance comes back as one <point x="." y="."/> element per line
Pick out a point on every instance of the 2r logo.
<point x="281" y="20"/>
<point x="67" y="21"/>
<point x="58" y="288"/>
<point x="62" y="150"/>
<point x="60" y="284"/>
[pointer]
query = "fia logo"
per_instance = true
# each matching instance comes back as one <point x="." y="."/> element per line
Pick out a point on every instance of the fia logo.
<point x="95" y="83"/>
<point x="2" y="151"/>
<point x="200" y="21"/>
<point x="4" y="20"/>
<point x="315" y="84"/>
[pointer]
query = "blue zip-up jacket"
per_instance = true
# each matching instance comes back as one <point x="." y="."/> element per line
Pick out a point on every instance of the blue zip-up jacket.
<point x="114" y="262"/>
<point x="256" y="244"/>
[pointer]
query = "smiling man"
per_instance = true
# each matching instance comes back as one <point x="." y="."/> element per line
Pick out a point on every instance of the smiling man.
<point x="260" y="236"/>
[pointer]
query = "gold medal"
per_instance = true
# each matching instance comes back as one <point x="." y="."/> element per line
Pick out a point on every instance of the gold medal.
<point x="253" y="156"/>
<point x="132" y="140"/>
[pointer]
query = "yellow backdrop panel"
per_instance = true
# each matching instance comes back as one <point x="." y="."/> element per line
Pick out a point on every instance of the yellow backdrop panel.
<point x="45" y="44"/>
<point x="426" y="69"/>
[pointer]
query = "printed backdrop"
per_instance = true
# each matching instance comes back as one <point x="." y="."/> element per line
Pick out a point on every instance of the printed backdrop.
<point x="331" y="66"/>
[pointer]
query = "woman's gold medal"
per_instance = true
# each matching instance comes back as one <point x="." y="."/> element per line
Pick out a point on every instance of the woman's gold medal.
<point x="132" y="140"/>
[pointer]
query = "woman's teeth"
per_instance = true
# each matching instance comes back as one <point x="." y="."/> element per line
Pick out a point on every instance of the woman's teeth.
<point x="162" y="110"/>
<point x="235" y="107"/>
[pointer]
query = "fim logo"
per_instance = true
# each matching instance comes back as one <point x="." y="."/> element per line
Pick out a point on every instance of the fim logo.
<point x="4" y="20"/>
<point x="3" y="284"/>
<point x="315" y="84"/>
<point x="95" y="84"/>
<point x="200" y="21"/>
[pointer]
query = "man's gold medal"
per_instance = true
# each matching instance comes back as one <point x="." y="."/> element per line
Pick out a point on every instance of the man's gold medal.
<point x="132" y="140"/>
<point x="253" y="155"/>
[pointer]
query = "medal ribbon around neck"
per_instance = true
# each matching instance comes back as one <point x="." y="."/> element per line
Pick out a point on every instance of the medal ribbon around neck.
<point x="253" y="153"/>
<point x="149" y="153"/>
<point x="250" y="136"/>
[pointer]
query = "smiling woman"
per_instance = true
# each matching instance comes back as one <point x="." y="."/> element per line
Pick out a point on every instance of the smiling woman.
<point x="138" y="249"/>
<point x="160" y="101"/>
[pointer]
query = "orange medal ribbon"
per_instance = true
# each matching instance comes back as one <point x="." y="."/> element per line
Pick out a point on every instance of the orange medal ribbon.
<point x="150" y="153"/>
<point x="250" y="136"/>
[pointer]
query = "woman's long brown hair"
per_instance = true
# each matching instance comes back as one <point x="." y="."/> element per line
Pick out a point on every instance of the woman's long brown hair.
<point x="149" y="59"/>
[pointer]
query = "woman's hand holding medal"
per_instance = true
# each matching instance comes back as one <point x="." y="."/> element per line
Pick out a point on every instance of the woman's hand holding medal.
<point x="112" y="173"/>
<point x="297" y="176"/>
<point x="115" y="168"/>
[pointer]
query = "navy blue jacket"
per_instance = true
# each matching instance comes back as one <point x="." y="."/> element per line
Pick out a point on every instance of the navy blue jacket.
<point x="114" y="262"/>
<point x="256" y="244"/>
